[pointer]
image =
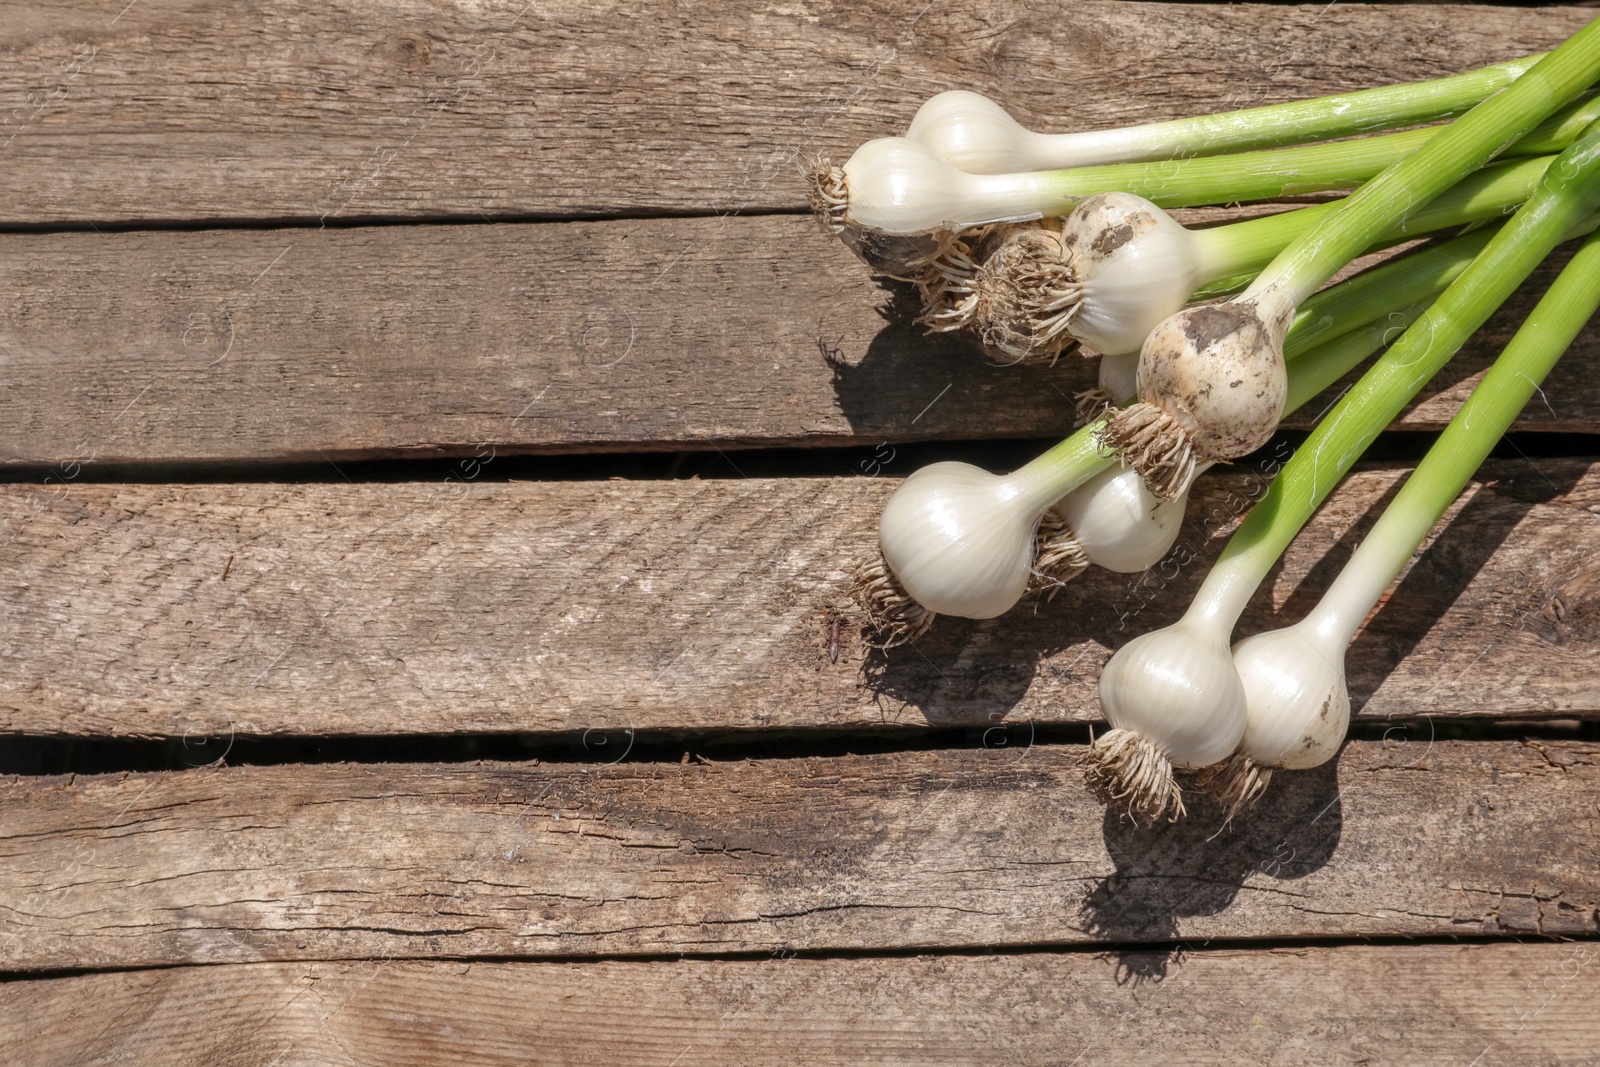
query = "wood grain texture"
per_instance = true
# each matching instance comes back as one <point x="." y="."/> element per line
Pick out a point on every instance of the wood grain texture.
<point x="175" y="110"/>
<point x="1495" y="1005"/>
<point x="466" y="606"/>
<point x="971" y="848"/>
<point x="308" y="345"/>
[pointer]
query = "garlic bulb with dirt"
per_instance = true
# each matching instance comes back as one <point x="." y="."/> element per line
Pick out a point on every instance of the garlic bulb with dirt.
<point x="1212" y="386"/>
<point x="1117" y="267"/>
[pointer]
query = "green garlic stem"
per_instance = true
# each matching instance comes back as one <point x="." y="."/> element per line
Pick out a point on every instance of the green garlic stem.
<point x="1372" y="294"/>
<point x="1262" y="175"/>
<point x="1463" y="446"/>
<point x="1066" y="466"/>
<point x="1243" y="247"/>
<point x="1570" y="193"/>
<point x="1325" y="364"/>
<point x="1443" y="160"/>
<point x="1296" y="122"/>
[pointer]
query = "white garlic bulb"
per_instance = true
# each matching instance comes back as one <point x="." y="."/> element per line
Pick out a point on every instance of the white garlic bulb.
<point x="1177" y="689"/>
<point x="973" y="133"/>
<point x="960" y="540"/>
<point x="896" y="186"/>
<point x="1119" y="524"/>
<point x="1134" y="264"/>
<point x="1297" y="706"/>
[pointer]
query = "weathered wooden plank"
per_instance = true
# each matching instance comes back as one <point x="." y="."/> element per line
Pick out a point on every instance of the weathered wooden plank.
<point x="214" y="610"/>
<point x="984" y="847"/>
<point x="169" y="110"/>
<point x="1445" y="1005"/>
<point x="399" y="341"/>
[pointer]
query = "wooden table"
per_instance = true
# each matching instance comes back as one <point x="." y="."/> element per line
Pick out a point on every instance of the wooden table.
<point x="436" y="444"/>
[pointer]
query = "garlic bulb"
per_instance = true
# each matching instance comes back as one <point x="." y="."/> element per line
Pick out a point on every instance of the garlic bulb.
<point x="1118" y="266"/>
<point x="1119" y="524"/>
<point x="973" y="133"/>
<point x="1297" y="705"/>
<point x="960" y="540"/>
<point x="1135" y="265"/>
<point x="1212" y="386"/>
<point x="896" y="186"/>
<point x="1173" y="700"/>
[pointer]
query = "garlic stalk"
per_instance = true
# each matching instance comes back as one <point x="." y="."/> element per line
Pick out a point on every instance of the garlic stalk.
<point x="977" y="135"/>
<point x="1297" y="706"/>
<point x="1212" y="379"/>
<point x="1160" y="717"/>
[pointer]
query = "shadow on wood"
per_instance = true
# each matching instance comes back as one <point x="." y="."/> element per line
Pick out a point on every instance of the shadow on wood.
<point x="1174" y="870"/>
<point x="953" y="371"/>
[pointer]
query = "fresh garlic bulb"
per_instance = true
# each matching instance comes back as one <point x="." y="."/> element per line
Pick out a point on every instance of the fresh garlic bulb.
<point x="1297" y="705"/>
<point x="1212" y="386"/>
<point x="1135" y="265"/>
<point x="1119" y="524"/>
<point x="1117" y="268"/>
<point x="973" y="133"/>
<point x="960" y="540"/>
<point x="1173" y="700"/>
<point x="894" y="185"/>
<point x="1297" y="709"/>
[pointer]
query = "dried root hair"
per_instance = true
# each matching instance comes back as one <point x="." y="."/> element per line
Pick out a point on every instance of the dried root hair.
<point x="1027" y="296"/>
<point x="830" y="194"/>
<point x="1155" y="444"/>
<point x="1090" y="404"/>
<point x="949" y="300"/>
<point x="895" y="618"/>
<point x="1235" y="783"/>
<point x="1127" y="771"/>
<point x="1057" y="556"/>
<point x="949" y="281"/>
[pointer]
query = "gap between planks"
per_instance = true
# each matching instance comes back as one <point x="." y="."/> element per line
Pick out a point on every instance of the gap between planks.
<point x="613" y="606"/>
<point x="1407" y="1006"/>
